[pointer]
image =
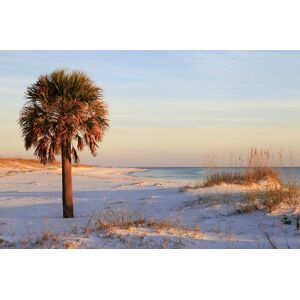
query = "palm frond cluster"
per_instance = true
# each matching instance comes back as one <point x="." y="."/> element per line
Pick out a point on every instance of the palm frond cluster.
<point x="63" y="109"/>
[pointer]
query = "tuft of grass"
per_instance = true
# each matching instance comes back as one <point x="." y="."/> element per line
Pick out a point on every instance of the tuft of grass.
<point x="186" y="188"/>
<point x="251" y="176"/>
<point x="74" y="244"/>
<point x="255" y="169"/>
<point x="47" y="239"/>
<point x="50" y="240"/>
<point x="111" y="219"/>
<point x="287" y="195"/>
<point x="270" y="199"/>
<point x="249" y="204"/>
<point x="211" y="200"/>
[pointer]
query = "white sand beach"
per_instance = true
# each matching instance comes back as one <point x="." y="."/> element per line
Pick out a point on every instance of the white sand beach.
<point x="163" y="217"/>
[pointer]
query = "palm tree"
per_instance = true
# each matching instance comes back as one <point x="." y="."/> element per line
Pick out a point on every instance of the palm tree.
<point x="64" y="111"/>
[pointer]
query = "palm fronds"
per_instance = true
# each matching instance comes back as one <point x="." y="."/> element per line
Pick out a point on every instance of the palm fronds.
<point x="63" y="107"/>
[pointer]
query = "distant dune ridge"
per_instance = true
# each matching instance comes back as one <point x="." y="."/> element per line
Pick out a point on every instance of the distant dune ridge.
<point x="22" y="163"/>
<point x="28" y="164"/>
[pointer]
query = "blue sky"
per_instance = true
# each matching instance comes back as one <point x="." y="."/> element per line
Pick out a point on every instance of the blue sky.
<point x="171" y="108"/>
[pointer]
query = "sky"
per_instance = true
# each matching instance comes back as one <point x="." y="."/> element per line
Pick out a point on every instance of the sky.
<point x="170" y="108"/>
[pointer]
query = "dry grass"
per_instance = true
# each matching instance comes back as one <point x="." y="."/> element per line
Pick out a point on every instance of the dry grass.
<point x="131" y="229"/>
<point x="257" y="169"/>
<point x="287" y="196"/>
<point x="210" y="200"/>
<point x="110" y="219"/>
<point x="186" y="188"/>
<point x="74" y="244"/>
<point x="47" y="237"/>
<point x="270" y="199"/>
<point x="249" y="204"/>
<point x="251" y="176"/>
<point x="49" y="240"/>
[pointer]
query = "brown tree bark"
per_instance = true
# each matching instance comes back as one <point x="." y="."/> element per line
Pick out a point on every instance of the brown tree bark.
<point x="67" y="192"/>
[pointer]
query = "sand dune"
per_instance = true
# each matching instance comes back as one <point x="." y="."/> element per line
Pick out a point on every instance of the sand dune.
<point x="22" y="163"/>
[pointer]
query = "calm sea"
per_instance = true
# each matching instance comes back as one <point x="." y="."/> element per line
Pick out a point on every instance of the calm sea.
<point x="198" y="174"/>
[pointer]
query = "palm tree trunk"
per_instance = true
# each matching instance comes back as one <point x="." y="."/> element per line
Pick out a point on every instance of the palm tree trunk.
<point x="67" y="193"/>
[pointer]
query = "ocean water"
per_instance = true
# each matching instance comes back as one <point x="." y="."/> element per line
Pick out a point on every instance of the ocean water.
<point x="198" y="174"/>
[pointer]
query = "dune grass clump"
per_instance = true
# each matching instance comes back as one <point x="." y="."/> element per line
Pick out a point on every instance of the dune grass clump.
<point x="257" y="169"/>
<point x="49" y="239"/>
<point x="249" y="204"/>
<point x="111" y="219"/>
<point x="223" y="177"/>
<point x="186" y="188"/>
<point x="251" y="176"/>
<point x="287" y="195"/>
<point x="270" y="199"/>
<point x="131" y="229"/>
